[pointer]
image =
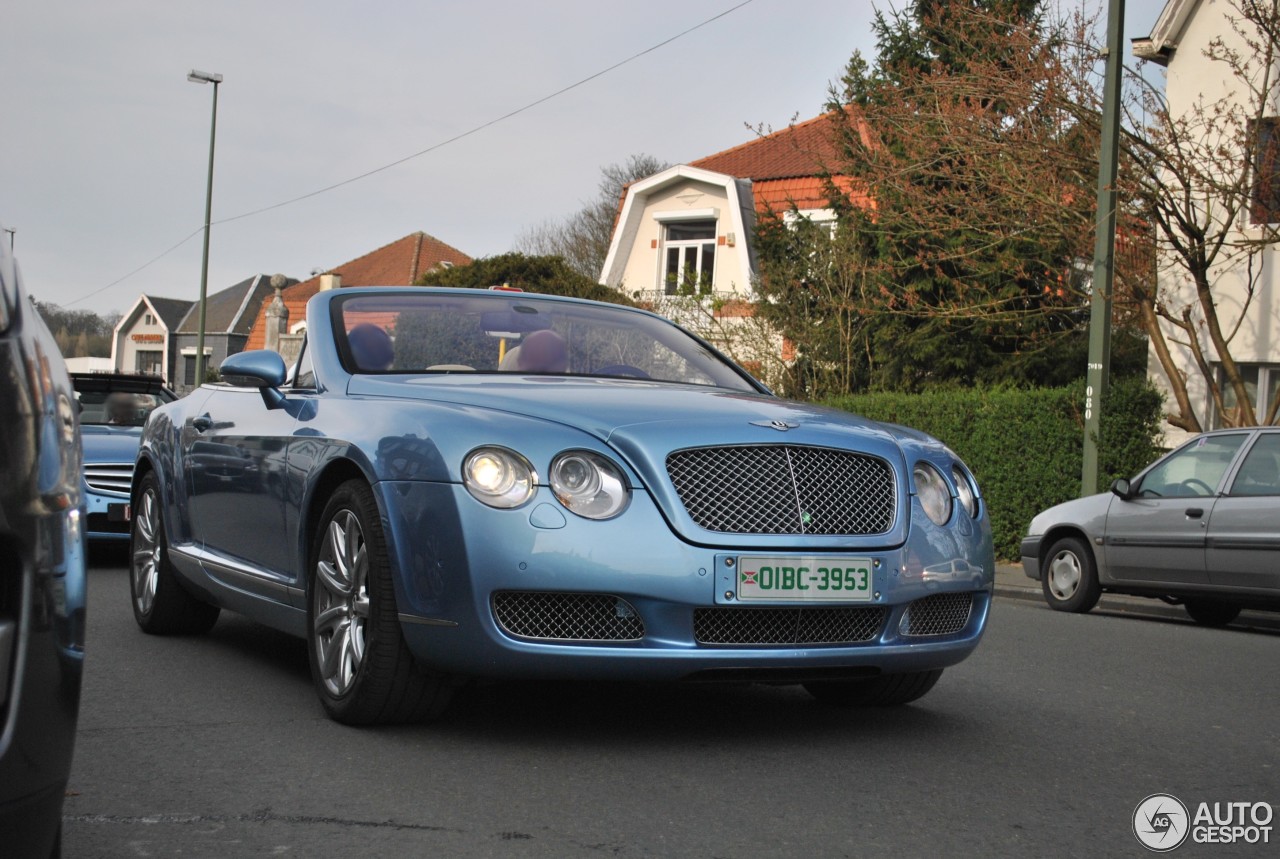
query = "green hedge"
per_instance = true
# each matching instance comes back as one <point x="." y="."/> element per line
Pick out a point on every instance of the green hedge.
<point x="1025" y="446"/>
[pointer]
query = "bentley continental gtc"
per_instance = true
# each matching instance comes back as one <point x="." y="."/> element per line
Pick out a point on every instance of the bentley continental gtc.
<point x="452" y="484"/>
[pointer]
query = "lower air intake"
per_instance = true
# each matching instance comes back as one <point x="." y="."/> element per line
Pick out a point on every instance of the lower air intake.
<point x="788" y="626"/>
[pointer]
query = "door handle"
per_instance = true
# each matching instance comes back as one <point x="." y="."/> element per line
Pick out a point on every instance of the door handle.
<point x="1194" y="513"/>
<point x="202" y="423"/>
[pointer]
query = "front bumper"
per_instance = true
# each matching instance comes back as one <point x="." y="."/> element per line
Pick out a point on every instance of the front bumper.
<point x="1031" y="556"/>
<point x="106" y="515"/>
<point x="539" y="592"/>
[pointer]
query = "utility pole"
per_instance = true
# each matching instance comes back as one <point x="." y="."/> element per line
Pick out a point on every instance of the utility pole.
<point x="1099" y="370"/>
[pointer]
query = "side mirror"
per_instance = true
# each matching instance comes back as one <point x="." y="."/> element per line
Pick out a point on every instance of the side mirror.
<point x="1120" y="487"/>
<point x="261" y="368"/>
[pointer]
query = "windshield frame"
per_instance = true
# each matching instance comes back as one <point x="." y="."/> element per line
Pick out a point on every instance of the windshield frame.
<point x="679" y="356"/>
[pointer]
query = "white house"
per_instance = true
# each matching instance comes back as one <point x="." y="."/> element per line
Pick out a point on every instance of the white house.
<point x="1183" y="32"/>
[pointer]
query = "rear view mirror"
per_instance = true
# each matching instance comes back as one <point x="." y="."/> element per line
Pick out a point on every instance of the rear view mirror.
<point x="1121" y="488"/>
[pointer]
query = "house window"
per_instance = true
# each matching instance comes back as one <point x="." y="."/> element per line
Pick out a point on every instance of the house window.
<point x="147" y="361"/>
<point x="149" y="319"/>
<point x="1265" y="203"/>
<point x="1262" y="386"/>
<point x="690" y="265"/>
<point x="189" y="370"/>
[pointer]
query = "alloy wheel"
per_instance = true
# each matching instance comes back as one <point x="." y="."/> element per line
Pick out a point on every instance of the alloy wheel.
<point x="146" y="552"/>
<point x="342" y="602"/>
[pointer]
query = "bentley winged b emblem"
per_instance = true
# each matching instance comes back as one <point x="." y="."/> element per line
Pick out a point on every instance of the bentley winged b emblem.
<point x="780" y="426"/>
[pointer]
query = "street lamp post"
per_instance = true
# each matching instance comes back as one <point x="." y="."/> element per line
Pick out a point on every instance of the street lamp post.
<point x="215" y="79"/>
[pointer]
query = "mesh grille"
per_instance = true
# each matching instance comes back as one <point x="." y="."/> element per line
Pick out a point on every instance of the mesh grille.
<point x="843" y="625"/>
<point x="784" y="489"/>
<point x="113" y="477"/>
<point x="567" y="617"/>
<point x="940" y="614"/>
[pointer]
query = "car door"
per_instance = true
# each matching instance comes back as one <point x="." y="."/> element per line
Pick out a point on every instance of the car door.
<point x="1159" y="535"/>
<point x="1244" y="532"/>
<point x="236" y="457"/>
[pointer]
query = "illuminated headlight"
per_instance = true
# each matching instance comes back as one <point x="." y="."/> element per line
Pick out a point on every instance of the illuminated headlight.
<point x="589" y="485"/>
<point x="964" y="491"/>
<point x="499" y="477"/>
<point x="933" y="493"/>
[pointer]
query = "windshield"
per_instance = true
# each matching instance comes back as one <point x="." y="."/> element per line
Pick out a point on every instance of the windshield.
<point x="521" y="334"/>
<point x="118" y="401"/>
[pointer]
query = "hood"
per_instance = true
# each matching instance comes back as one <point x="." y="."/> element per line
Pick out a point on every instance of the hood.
<point x="646" y="421"/>
<point x="611" y="409"/>
<point x="103" y="443"/>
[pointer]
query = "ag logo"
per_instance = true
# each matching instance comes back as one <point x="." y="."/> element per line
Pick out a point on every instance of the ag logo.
<point x="1161" y="822"/>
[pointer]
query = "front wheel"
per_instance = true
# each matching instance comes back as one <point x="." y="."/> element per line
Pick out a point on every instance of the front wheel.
<point x="1069" y="576"/>
<point x="161" y="605"/>
<point x="887" y="690"/>
<point x="360" y="665"/>
<point x="1211" y="612"/>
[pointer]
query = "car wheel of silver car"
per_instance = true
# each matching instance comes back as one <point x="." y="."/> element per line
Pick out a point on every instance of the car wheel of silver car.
<point x="161" y="604"/>
<point x="362" y="668"/>
<point x="1069" y="576"/>
<point x="887" y="690"/>
<point x="1211" y="612"/>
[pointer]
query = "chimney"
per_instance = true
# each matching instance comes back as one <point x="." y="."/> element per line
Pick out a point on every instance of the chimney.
<point x="330" y="281"/>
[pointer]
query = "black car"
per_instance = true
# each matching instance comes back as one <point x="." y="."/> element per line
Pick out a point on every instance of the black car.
<point x="42" y="575"/>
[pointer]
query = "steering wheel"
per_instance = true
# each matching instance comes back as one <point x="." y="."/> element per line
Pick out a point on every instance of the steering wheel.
<point x="621" y="370"/>
<point x="1193" y="482"/>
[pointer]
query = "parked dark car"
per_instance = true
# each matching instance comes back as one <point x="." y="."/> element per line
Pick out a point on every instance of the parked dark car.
<point x="42" y="575"/>
<point x="113" y="408"/>
<point x="1199" y="527"/>
<point x="463" y="483"/>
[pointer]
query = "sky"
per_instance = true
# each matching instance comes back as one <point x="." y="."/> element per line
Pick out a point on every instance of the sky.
<point x="104" y="154"/>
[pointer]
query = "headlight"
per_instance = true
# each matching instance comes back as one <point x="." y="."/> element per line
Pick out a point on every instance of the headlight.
<point x="933" y="493"/>
<point x="499" y="477"/>
<point x="588" y="484"/>
<point x="964" y="489"/>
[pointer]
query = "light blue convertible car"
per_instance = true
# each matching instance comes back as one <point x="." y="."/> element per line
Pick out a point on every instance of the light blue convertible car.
<point x="455" y="484"/>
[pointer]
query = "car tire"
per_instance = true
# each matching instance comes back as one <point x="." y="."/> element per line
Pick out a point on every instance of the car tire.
<point x="361" y="666"/>
<point x="161" y="604"/>
<point x="887" y="690"/>
<point x="1069" y="576"/>
<point x="1209" y="612"/>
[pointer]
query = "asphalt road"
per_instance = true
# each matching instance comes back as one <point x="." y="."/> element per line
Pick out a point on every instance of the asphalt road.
<point x="1041" y="744"/>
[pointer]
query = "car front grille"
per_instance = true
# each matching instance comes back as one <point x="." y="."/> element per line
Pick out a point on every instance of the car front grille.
<point x="567" y="616"/>
<point x="939" y="614"/>
<point x="789" y="626"/>
<point x="784" y="489"/>
<point x="110" y="477"/>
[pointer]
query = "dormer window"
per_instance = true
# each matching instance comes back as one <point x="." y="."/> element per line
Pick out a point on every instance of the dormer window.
<point x="690" y="248"/>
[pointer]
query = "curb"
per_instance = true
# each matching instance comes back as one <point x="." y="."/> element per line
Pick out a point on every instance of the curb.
<point x="1143" y="607"/>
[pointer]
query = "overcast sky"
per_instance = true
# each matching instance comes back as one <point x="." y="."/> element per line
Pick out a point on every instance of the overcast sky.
<point x="105" y="141"/>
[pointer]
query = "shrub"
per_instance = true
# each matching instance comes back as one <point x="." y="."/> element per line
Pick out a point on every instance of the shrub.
<point x="1025" y="447"/>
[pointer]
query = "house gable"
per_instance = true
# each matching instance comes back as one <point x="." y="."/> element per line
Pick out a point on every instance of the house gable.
<point x="400" y="263"/>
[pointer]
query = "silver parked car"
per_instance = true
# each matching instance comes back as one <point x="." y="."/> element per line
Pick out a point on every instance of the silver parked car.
<point x="1199" y="527"/>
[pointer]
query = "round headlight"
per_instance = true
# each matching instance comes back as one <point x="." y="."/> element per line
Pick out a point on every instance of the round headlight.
<point x="588" y="484"/>
<point x="964" y="490"/>
<point x="499" y="477"/>
<point x="933" y="493"/>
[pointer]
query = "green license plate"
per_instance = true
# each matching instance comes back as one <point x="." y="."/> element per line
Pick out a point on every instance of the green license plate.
<point x="800" y="579"/>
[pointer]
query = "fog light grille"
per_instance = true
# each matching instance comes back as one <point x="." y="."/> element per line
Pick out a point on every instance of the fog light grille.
<point x="567" y="617"/>
<point x="837" y="625"/>
<point x="939" y="614"/>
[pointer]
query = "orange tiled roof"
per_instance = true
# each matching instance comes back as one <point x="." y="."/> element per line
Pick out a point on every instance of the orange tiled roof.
<point x="805" y="149"/>
<point x="400" y="263"/>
